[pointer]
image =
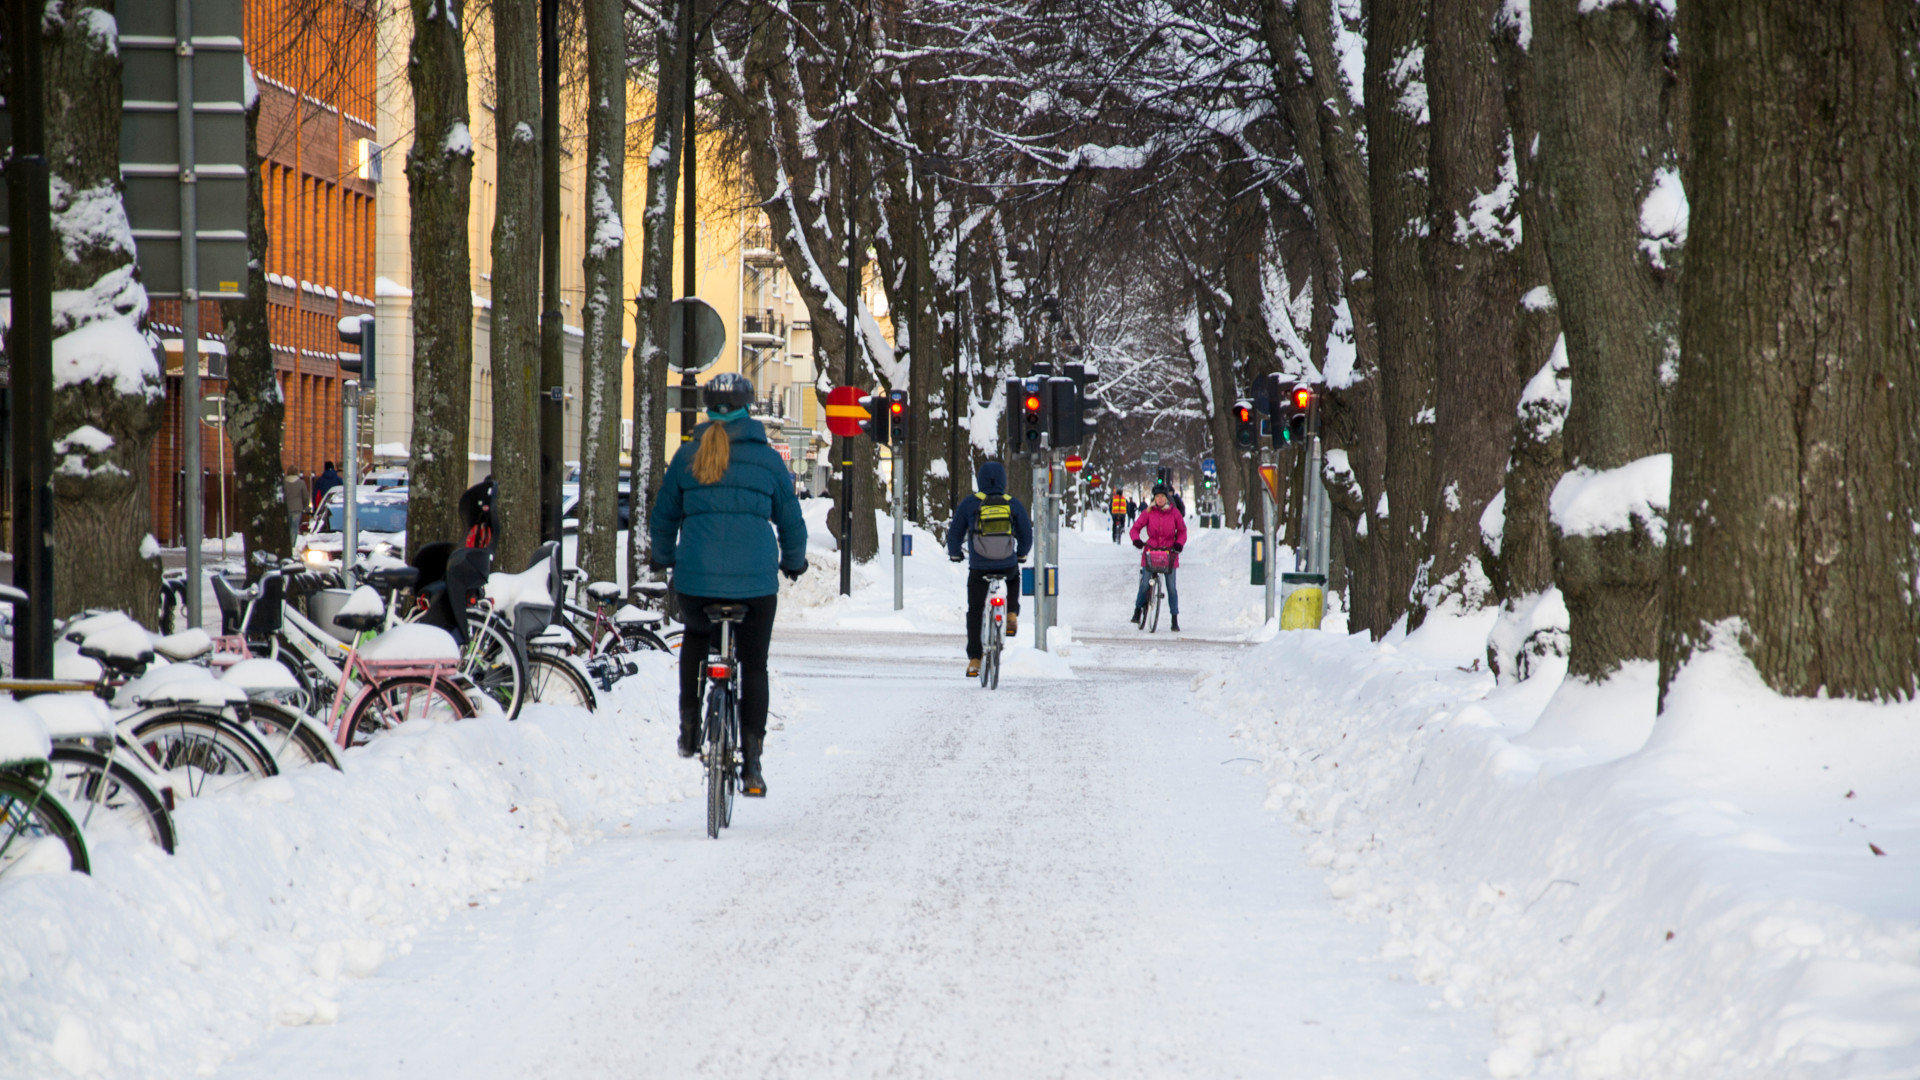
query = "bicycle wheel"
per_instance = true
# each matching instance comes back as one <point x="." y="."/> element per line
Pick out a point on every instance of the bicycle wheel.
<point x="495" y="663"/>
<point x="993" y="662"/>
<point x="402" y="698"/>
<point x="553" y="680"/>
<point x="716" y="758"/>
<point x="97" y="787"/>
<point x="203" y="752"/>
<point x="293" y="738"/>
<point x="29" y="815"/>
<point x="730" y="776"/>
<point x="1153" y="625"/>
<point x="986" y="636"/>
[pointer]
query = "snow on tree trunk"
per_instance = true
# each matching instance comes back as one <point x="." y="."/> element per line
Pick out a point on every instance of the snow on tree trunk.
<point x="256" y="410"/>
<point x="1473" y="271"/>
<point x="1606" y="85"/>
<point x="439" y="176"/>
<point x="1795" y="498"/>
<point x="513" y="344"/>
<point x="107" y="385"/>
<point x="652" y="319"/>
<point x="603" y="305"/>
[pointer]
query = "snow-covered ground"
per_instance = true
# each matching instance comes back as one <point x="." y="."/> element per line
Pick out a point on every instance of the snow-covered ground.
<point x="1227" y="852"/>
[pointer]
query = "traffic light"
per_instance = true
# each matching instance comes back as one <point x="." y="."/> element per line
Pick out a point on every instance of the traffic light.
<point x="1089" y="404"/>
<point x="1299" y="416"/>
<point x="1063" y="410"/>
<point x="358" y="330"/>
<point x="1033" y="419"/>
<point x="897" y="415"/>
<point x="879" y="422"/>
<point x="1246" y="431"/>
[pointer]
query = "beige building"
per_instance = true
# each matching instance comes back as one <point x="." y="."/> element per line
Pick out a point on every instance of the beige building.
<point x="740" y="274"/>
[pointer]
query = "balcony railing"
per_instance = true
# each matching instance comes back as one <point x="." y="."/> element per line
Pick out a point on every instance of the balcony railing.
<point x="763" y="323"/>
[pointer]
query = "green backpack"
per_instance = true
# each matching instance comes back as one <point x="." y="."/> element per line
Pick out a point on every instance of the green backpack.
<point x="993" y="535"/>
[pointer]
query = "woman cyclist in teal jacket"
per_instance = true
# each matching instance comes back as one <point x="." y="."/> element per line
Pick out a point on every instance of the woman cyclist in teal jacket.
<point x="720" y="503"/>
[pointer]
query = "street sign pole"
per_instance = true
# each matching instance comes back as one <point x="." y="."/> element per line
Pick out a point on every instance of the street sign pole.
<point x="350" y="483"/>
<point x="1270" y="521"/>
<point x="190" y="494"/>
<point x="899" y="527"/>
<point x="30" y="345"/>
<point x="1052" y="569"/>
<point x="1038" y="507"/>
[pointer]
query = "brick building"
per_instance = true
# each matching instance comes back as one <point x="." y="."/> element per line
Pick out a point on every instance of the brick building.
<point x="313" y="63"/>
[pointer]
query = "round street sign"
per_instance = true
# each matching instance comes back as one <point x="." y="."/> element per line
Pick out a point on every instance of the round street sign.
<point x="1074" y="462"/>
<point x="709" y="335"/>
<point x="844" y="412"/>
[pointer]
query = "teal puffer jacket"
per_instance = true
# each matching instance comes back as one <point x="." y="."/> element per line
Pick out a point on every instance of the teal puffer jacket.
<point x="719" y="538"/>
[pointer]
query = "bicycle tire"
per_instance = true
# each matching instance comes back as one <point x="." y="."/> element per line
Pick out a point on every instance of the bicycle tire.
<point x="393" y="702"/>
<point x="201" y="745"/>
<point x="1153" y="627"/>
<point x="289" y="739"/>
<point x="716" y="758"/>
<point x="495" y="662"/>
<point x="730" y="773"/>
<point x="28" y="809"/>
<point x="553" y="680"/>
<point x="994" y="682"/>
<point x="88" y="780"/>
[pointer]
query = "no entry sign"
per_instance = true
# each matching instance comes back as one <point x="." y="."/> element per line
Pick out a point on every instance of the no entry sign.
<point x="1074" y="462"/>
<point x="844" y="412"/>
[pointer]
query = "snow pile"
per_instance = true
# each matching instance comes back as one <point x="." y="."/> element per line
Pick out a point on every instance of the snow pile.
<point x="1728" y="892"/>
<point x="1592" y="502"/>
<point x="411" y="641"/>
<point x="284" y="889"/>
<point x="23" y="735"/>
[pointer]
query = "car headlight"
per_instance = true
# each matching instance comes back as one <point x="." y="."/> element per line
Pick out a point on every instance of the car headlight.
<point x="316" y="557"/>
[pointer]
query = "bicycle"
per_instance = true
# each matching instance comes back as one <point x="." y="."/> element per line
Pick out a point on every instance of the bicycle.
<point x="993" y="634"/>
<point x="387" y="692"/>
<point x="30" y="813"/>
<point x="723" y="719"/>
<point x="1160" y="560"/>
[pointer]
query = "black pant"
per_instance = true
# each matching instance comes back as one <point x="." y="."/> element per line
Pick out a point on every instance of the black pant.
<point x="1119" y="527"/>
<point x="977" y="599"/>
<point x="751" y="639"/>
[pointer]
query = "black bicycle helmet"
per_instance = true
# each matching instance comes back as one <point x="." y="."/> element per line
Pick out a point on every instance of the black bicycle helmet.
<point x="1160" y="488"/>
<point x="728" y="391"/>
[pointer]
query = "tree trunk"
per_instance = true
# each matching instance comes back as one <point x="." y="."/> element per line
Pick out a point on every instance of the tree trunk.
<point x="602" y="310"/>
<point x="107" y="392"/>
<point x="1605" y="140"/>
<point x="439" y="176"/>
<point x="1797" y="412"/>
<point x="653" y="317"/>
<point x="256" y="410"/>
<point x="1397" y="151"/>
<point x="513" y="345"/>
<point x="1473" y="274"/>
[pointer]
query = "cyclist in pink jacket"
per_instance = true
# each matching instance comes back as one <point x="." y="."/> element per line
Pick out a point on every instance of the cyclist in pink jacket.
<point x="1166" y="530"/>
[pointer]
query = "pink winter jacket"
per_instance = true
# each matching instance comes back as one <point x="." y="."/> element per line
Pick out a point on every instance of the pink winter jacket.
<point x="1165" y="528"/>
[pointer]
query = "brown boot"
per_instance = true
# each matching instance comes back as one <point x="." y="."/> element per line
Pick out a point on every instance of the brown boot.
<point x="1013" y="623"/>
<point x="973" y="667"/>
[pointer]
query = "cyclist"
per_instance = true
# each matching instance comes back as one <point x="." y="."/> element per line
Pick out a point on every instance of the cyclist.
<point x="710" y="525"/>
<point x="996" y="533"/>
<point x="1166" y="529"/>
<point x="1118" y="508"/>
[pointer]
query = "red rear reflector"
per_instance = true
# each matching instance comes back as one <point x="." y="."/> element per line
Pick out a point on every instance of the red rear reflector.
<point x="719" y="671"/>
<point x="999" y="601"/>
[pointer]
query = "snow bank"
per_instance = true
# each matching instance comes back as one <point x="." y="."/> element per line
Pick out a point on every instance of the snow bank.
<point x="1701" y="897"/>
<point x="285" y="889"/>
<point x="1592" y="502"/>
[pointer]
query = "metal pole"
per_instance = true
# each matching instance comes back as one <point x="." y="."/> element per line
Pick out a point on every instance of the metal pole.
<point x="689" y="219"/>
<point x="350" y="463"/>
<point x="221" y="444"/>
<point x="1039" y="552"/>
<point x="553" y="361"/>
<point x="846" y="515"/>
<point x="190" y="493"/>
<point x="30" y="346"/>
<point x="1054" y="484"/>
<point x="899" y="530"/>
<point x="1270" y="525"/>
<point x="853" y="292"/>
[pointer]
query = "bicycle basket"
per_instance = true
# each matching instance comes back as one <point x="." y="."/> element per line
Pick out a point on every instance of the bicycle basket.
<point x="1160" y="558"/>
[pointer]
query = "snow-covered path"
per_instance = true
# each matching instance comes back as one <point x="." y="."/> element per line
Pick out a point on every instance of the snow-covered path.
<point x="1064" y="878"/>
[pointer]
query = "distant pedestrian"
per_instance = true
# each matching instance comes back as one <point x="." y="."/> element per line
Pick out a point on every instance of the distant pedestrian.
<point x="324" y="483"/>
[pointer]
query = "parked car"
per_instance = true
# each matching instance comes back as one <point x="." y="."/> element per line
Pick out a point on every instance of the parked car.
<point x="383" y="525"/>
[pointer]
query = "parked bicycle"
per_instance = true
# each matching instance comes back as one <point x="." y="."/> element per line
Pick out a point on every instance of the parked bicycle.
<point x="30" y="813"/>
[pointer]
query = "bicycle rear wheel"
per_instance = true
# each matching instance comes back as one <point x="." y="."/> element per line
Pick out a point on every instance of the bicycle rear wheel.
<point x="495" y="663"/>
<point x="406" y="697"/>
<point x="94" y="785"/>
<point x="203" y="752"/>
<point x="292" y="739"/>
<point x="29" y="815"/>
<point x="993" y="664"/>
<point x="553" y="680"/>
<point x="716" y="759"/>
<point x="730" y="776"/>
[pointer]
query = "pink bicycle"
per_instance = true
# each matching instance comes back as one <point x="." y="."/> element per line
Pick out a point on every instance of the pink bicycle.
<point x="377" y="691"/>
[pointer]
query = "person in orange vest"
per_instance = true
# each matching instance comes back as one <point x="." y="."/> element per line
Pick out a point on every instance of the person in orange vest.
<point x="1118" y="508"/>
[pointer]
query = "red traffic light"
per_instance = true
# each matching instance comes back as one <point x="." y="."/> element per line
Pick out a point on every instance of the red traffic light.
<point x="1302" y="397"/>
<point x="1033" y="403"/>
<point x="1243" y="413"/>
<point x="898" y="408"/>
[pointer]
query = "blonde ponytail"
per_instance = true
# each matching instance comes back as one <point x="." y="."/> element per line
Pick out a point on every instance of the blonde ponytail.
<point x="710" y="461"/>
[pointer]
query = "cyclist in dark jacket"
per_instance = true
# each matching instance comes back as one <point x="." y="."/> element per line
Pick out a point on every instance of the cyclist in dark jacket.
<point x="988" y="554"/>
<point x="710" y="523"/>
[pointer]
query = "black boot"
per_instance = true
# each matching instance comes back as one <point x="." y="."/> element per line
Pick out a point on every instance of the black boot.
<point x="1140" y="615"/>
<point x="752" y="784"/>
<point x="689" y="731"/>
<point x="1176" y="624"/>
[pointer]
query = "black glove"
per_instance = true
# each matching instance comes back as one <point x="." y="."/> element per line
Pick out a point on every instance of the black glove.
<point x="793" y="575"/>
<point x="1177" y="548"/>
<point x="1140" y="543"/>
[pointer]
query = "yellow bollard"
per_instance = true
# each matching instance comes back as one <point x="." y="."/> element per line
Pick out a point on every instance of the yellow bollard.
<point x="1303" y="609"/>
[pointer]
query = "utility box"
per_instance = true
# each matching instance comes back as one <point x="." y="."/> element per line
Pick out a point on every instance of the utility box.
<point x="1305" y="602"/>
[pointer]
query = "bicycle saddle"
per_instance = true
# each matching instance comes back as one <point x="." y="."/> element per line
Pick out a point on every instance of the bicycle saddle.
<point x="392" y="578"/>
<point x="726" y="612"/>
<point x="360" y="621"/>
<point x="603" y="592"/>
<point x="652" y="588"/>
<point x="120" y="662"/>
<point x="185" y="645"/>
